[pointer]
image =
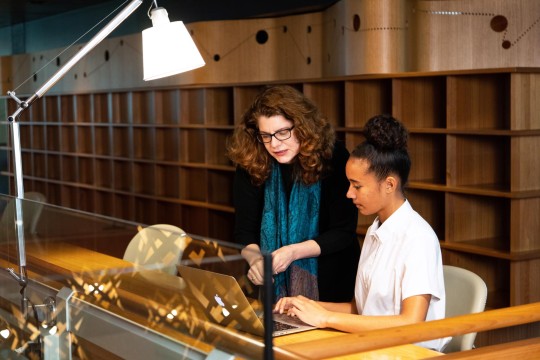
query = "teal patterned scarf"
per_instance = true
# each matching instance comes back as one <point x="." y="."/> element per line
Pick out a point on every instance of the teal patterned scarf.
<point x="290" y="222"/>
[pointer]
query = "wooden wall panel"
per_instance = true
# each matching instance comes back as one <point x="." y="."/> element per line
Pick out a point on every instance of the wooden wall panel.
<point x="352" y="37"/>
<point x="234" y="51"/>
<point x="365" y="37"/>
<point x="466" y="34"/>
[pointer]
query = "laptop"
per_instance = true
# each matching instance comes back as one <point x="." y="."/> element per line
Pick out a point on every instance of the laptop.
<point x="224" y="303"/>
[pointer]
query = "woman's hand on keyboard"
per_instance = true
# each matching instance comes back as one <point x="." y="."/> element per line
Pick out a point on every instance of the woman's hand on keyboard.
<point x="307" y="310"/>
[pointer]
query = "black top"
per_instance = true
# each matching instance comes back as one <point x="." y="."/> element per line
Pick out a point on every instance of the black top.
<point x="338" y="217"/>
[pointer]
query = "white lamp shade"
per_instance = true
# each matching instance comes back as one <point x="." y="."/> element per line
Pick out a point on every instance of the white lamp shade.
<point x="168" y="48"/>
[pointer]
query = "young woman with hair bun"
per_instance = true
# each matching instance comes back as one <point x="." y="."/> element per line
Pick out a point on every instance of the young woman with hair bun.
<point x="399" y="280"/>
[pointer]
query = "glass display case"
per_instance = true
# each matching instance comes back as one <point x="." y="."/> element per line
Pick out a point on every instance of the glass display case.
<point x="84" y="286"/>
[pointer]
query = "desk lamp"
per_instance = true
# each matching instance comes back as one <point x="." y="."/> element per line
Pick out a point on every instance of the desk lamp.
<point x="168" y="49"/>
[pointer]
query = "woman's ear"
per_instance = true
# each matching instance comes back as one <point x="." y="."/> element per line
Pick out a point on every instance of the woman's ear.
<point x="390" y="184"/>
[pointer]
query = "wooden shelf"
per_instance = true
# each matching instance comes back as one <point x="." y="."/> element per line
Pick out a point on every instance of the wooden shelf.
<point x="167" y="147"/>
<point x="494" y="190"/>
<point x="167" y="181"/>
<point x="158" y="156"/>
<point x="487" y="248"/>
<point x="479" y="101"/>
<point x="143" y="143"/>
<point x="83" y="108"/>
<point x="121" y="141"/>
<point x="193" y="184"/>
<point x="143" y="178"/>
<point x="69" y="169"/>
<point x="102" y="108"/>
<point x="103" y="173"/>
<point x="192" y="146"/>
<point x="102" y="140"/>
<point x="478" y="161"/>
<point x="329" y="98"/>
<point x="67" y="145"/>
<point x="120" y="180"/>
<point x="428" y="150"/>
<point x="86" y="170"/>
<point x="420" y="102"/>
<point x="431" y="205"/>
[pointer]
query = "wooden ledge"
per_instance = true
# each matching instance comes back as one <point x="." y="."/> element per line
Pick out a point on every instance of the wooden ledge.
<point x="522" y="350"/>
<point x="378" y="339"/>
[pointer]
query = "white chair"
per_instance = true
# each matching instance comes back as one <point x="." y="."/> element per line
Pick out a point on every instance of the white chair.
<point x="157" y="247"/>
<point x="32" y="206"/>
<point x="466" y="293"/>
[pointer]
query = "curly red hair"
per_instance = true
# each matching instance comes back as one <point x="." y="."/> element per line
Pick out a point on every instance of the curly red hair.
<point x="315" y="134"/>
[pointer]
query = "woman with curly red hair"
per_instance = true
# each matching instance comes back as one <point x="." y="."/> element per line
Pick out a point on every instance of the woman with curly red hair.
<point x="290" y="197"/>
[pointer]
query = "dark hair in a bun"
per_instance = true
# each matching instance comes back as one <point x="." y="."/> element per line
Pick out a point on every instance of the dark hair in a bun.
<point x="385" y="148"/>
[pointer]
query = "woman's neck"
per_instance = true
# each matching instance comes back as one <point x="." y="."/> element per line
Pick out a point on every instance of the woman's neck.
<point x="391" y="208"/>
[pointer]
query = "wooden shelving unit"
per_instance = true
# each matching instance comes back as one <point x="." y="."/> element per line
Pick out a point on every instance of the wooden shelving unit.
<point x="158" y="156"/>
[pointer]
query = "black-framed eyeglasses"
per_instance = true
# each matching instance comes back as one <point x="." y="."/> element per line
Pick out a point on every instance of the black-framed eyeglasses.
<point x="281" y="135"/>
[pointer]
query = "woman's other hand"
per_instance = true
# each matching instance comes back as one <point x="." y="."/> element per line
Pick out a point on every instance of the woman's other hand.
<point x="256" y="271"/>
<point x="282" y="258"/>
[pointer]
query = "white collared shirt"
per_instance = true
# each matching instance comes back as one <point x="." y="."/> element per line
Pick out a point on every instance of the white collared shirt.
<point x="399" y="259"/>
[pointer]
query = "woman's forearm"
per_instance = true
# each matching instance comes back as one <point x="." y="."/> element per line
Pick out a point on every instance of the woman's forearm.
<point x="251" y="253"/>
<point x="305" y="249"/>
<point x="347" y="308"/>
<point x="284" y="256"/>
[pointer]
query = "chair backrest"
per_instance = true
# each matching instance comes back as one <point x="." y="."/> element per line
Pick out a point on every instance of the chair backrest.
<point x="157" y="247"/>
<point x="466" y="293"/>
<point x="31" y="212"/>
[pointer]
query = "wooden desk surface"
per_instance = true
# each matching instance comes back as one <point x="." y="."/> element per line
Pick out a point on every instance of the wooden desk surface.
<point x="68" y="258"/>
<point x="403" y="352"/>
<point x="61" y="258"/>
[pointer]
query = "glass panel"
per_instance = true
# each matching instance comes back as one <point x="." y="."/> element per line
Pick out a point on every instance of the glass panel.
<point x="152" y="289"/>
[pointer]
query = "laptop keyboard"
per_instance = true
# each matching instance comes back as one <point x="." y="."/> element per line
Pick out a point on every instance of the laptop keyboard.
<point x="279" y="326"/>
<point x="292" y="323"/>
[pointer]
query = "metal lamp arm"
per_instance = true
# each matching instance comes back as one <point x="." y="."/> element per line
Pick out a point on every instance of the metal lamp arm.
<point x="16" y="141"/>
<point x="102" y="34"/>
